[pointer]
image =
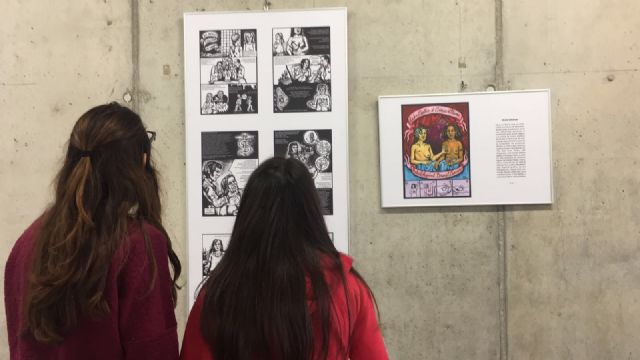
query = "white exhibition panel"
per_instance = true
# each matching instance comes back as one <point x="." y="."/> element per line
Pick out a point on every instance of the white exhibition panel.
<point x="265" y="120"/>
<point x="488" y="114"/>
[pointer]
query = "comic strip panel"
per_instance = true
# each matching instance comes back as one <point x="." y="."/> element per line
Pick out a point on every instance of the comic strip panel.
<point x="233" y="43"/>
<point x="313" y="148"/>
<point x="435" y="150"/>
<point x="229" y="99"/>
<point x="301" y="69"/>
<point x="228" y="72"/>
<point x="228" y="158"/>
<point x="213" y="248"/>
<point x="301" y="41"/>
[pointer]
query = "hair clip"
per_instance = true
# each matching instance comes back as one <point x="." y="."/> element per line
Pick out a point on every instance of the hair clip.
<point x="85" y="153"/>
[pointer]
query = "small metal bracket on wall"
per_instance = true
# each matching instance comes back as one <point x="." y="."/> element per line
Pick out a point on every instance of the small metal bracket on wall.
<point x="266" y="5"/>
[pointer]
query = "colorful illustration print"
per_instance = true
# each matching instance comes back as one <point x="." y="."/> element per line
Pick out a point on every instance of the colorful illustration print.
<point x="435" y="150"/>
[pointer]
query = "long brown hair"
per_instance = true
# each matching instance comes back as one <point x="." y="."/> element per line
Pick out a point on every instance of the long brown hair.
<point x="256" y="301"/>
<point x="102" y="189"/>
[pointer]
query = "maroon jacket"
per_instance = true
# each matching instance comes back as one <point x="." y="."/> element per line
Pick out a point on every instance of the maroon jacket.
<point x="141" y="323"/>
<point x="361" y="335"/>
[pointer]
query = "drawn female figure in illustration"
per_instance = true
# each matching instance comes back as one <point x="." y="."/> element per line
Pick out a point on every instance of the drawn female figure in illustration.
<point x="238" y="107"/>
<point x="239" y="70"/>
<point x="293" y="150"/>
<point x="220" y="102"/>
<point x="302" y="72"/>
<point x="207" y="107"/>
<point x="231" y="192"/>
<point x="250" y="104"/>
<point x="211" y="191"/>
<point x="323" y="73"/>
<point x="250" y="42"/>
<point x="414" y="190"/>
<point x="297" y="43"/>
<point x="235" y="50"/>
<point x="451" y="148"/>
<point x="321" y="100"/>
<point x="217" y="73"/>
<point x="278" y="45"/>
<point x="421" y="153"/>
<point x="303" y="153"/>
<point x="227" y="73"/>
<point x="212" y="256"/>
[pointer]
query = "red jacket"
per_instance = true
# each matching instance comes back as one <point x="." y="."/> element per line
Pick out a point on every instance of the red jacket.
<point x="141" y="323"/>
<point x="364" y="337"/>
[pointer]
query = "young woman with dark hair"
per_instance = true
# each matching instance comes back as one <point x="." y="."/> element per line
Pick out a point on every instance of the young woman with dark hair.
<point x="282" y="290"/>
<point x="90" y="278"/>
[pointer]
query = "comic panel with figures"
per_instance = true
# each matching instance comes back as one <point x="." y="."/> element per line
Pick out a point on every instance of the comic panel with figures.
<point x="213" y="248"/>
<point x="312" y="148"/>
<point x="435" y="150"/>
<point x="301" y="69"/>
<point x="228" y="158"/>
<point x="228" y="72"/>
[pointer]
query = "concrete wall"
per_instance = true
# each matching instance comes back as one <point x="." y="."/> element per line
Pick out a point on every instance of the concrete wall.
<point x="568" y="285"/>
<point x="574" y="270"/>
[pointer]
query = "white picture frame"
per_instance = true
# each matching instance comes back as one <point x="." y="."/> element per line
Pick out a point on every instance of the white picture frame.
<point x="465" y="149"/>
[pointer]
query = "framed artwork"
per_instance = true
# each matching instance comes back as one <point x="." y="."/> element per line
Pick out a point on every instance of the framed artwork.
<point x="484" y="148"/>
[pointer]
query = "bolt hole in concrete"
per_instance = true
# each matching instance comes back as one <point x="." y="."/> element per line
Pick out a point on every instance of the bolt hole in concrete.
<point x="611" y="77"/>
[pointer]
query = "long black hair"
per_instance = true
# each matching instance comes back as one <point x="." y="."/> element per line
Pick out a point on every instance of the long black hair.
<point x="255" y="301"/>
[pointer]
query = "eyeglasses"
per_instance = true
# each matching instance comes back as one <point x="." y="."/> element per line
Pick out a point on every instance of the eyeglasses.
<point x="151" y="135"/>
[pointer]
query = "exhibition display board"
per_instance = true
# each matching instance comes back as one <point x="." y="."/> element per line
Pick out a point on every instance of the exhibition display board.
<point x="257" y="85"/>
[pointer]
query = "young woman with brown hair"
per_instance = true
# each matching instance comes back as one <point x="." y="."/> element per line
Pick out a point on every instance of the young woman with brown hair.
<point x="282" y="290"/>
<point x="90" y="278"/>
